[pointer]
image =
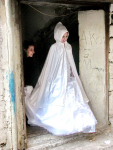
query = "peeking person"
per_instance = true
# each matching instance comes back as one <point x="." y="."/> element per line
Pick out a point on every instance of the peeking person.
<point x="28" y="61"/>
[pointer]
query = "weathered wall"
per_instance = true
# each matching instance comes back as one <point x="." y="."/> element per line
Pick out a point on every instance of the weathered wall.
<point x="11" y="104"/>
<point x="3" y="91"/>
<point x="92" y="61"/>
<point x="7" y="92"/>
<point x="111" y="65"/>
<point x="18" y="75"/>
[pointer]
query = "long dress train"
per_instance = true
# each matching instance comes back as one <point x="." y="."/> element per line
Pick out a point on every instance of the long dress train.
<point x="58" y="103"/>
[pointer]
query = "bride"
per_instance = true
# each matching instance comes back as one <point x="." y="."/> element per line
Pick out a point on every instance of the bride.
<point x="58" y="102"/>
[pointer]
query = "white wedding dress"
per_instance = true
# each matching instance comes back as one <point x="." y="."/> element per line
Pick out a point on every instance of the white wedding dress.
<point x="58" y="103"/>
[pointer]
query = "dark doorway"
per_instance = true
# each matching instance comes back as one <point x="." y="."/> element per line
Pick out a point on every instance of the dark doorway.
<point x="40" y="29"/>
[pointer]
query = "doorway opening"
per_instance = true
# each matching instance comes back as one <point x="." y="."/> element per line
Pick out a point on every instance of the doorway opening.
<point x="40" y="28"/>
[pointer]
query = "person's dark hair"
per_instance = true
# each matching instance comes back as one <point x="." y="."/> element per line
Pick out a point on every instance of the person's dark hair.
<point x="27" y="43"/>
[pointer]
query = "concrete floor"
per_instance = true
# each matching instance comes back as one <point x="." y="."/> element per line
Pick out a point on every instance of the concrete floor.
<point x="40" y="139"/>
<point x="101" y="141"/>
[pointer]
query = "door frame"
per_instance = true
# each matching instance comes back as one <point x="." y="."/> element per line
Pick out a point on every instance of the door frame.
<point x="107" y="52"/>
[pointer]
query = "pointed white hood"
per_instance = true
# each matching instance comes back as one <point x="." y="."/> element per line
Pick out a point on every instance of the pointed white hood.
<point x="59" y="31"/>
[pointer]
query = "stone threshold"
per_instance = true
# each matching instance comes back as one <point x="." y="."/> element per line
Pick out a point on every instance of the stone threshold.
<point x="48" y="141"/>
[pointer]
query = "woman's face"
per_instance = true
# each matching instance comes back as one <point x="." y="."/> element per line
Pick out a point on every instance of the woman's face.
<point x="65" y="37"/>
<point x="30" y="51"/>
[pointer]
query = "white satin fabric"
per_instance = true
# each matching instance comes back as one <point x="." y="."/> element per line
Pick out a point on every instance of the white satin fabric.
<point x="58" y="103"/>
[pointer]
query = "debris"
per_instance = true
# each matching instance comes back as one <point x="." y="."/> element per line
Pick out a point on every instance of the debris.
<point x="107" y="142"/>
<point x="91" y="138"/>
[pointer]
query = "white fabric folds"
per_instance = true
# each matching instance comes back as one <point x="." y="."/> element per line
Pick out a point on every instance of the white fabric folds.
<point x="58" y="103"/>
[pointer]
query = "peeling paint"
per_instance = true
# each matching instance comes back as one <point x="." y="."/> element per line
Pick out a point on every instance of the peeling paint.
<point x="12" y="89"/>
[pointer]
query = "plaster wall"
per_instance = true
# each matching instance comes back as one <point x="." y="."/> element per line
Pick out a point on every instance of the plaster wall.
<point x="18" y="76"/>
<point x="92" y="62"/>
<point x="11" y="103"/>
<point x="7" y="94"/>
<point x="111" y="64"/>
